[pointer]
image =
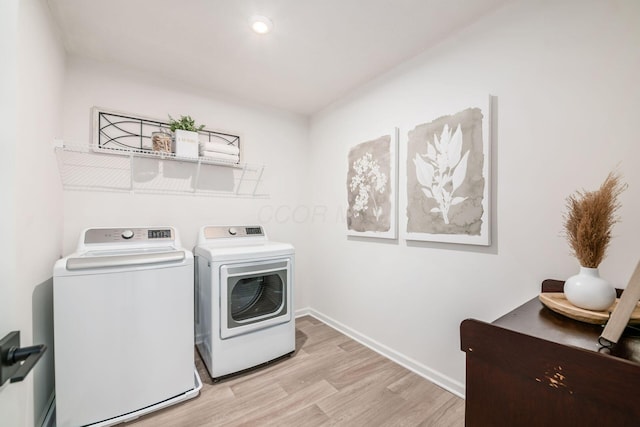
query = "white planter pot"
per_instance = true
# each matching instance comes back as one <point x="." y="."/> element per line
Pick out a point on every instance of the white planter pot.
<point x="186" y="143"/>
<point x="587" y="290"/>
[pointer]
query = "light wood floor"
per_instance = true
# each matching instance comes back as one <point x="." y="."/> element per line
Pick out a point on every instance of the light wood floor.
<point x="330" y="381"/>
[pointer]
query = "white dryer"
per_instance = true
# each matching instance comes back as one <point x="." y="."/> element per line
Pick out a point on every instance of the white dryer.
<point x="244" y="298"/>
<point x="123" y="326"/>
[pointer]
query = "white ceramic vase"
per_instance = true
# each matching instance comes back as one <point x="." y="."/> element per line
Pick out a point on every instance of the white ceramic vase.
<point x="588" y="290"/>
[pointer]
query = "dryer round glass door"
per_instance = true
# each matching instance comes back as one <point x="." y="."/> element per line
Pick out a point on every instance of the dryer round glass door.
<point x="254" y="296"/>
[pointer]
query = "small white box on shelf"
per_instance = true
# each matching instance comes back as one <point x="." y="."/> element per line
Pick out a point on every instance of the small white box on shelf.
<point x="186" y="144"/>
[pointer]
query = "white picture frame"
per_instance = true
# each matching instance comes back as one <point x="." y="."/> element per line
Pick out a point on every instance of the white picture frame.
<point x="372" y="188"/>
<point x="447" y="176"/>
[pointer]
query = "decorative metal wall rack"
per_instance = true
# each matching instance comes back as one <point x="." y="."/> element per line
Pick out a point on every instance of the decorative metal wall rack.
<point x="120" y="132"/>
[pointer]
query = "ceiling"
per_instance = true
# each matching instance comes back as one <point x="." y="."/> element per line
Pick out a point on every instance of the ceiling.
<point x="318" y="51"/>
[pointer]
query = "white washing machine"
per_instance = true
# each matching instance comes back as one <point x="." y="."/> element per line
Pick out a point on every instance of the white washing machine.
<point x="123" y="326"/>
<point x="244" y="298"/>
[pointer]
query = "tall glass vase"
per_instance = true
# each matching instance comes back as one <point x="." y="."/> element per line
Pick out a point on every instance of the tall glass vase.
<point x="589" y="291"/>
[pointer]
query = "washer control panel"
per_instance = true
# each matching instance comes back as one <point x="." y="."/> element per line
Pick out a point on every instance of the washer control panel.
<point x="109" y="235"/>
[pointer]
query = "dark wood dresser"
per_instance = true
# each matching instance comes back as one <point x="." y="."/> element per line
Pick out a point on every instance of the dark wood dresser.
<point x="534" y="367"/>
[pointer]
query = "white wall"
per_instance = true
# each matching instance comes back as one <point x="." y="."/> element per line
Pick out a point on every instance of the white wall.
<point x="12" y="397"/>
<point x="32" y="206"/>
<point x="38" y="192"/>
<point x="565" y="74"/>
<point x="275" y="138"/>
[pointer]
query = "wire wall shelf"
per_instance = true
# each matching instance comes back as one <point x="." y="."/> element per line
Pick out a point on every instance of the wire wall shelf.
<point x="89" y="169"/>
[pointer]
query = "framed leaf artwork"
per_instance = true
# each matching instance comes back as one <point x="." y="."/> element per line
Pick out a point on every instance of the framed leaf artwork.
<point x="447" y="177"/>
<point x="372" y="194"/>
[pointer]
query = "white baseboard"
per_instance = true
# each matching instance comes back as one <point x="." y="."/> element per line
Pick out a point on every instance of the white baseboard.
<point x="303" y="312"/>
<point x="435" y="377"/>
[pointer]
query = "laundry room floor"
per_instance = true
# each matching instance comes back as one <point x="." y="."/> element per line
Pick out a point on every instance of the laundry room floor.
<point x="330" y="380"/>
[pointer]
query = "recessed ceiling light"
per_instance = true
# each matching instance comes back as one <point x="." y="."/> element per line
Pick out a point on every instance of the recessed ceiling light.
<point x="261" y="24"/>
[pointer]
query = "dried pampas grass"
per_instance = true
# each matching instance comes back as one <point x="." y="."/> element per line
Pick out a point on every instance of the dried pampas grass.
<point x="589" y="219"/>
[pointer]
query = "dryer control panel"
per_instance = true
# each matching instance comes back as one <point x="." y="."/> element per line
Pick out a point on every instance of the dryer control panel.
<point x="218" y="232"/>
<point x="123" y="235"/>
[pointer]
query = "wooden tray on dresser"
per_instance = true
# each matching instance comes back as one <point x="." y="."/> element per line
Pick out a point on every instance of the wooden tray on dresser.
<point x="557" y="302"/>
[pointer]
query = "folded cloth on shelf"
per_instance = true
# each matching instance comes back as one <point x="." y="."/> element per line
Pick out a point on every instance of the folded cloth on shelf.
<point x="219" y="147"/>
<point x="213" y="155"/>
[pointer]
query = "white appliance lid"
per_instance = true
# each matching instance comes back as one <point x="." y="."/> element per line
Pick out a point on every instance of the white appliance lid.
<point x="246" y="251"/>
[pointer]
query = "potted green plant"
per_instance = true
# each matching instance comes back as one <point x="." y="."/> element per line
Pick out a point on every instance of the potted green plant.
<point x="186" y="136"/>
